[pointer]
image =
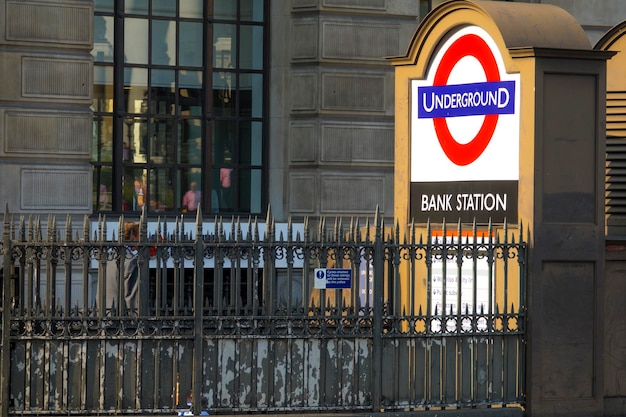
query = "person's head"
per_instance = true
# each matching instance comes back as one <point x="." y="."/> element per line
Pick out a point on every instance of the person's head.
<point x="193" y="186"/>
<point x="131" y="231"/>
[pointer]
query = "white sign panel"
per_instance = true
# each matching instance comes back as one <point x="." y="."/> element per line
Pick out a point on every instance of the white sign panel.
<point x="465" y="115"/>
<point x="472" y="291"/>
<point x="466" y="286"/>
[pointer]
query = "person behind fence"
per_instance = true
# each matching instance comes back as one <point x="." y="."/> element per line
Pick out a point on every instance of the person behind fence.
<point x="129" y="278"/>
<point x="191" y="197"/>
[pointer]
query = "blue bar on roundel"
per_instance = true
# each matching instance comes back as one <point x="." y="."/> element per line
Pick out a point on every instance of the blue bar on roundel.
<point x="474" y="99"/>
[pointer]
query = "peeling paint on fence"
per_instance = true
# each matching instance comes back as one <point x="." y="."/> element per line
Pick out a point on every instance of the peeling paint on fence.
<point x="224" y="331"/>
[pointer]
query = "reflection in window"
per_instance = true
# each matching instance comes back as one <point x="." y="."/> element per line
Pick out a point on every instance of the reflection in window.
<point x="102" y="185"/>
<point x="162" y="91"/>
<point x="225" y="9"/>
<point x="190" y="143"/>
<point x="163" y="8"/>
<point x="136" y="41"/>
<point x="135" y="90"/>
<point x="134" y="190"/>
<point x="190" y="44"/>
<point x="104" y="6"/>
<point x="163" y="42"/>
<point x="225" y="40"/>
<point x="162" y="189"/>
<point x="137" y="6"/>
<point x="103" y="38"/>
<point x="190" y="8"/>
<point x="164" y="140"/>
<point x="251" y="94"/>
<point x="223" y="89"/>
<point x="251" y="46"/>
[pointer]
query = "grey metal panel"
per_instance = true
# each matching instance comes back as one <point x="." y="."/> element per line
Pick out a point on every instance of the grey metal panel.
<point x="149" y="369"/>
<point x="92" y="375"/>
<point x="76" y="373"/>
<point x="18" y="376"/>
<point x="483" y="370"/>
<point x="36" y="391"/>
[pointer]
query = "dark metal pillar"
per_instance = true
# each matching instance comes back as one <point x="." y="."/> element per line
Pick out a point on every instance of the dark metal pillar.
<point x="198" y="277"/>
<point x="5" y="350"/>
<point x="377" y="325"/>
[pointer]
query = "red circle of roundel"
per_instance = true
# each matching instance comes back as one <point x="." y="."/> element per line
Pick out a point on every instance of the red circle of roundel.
<point x="467" y="45"/>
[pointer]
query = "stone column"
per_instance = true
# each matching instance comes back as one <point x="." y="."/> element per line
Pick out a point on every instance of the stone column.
<point x="46" y="72"/>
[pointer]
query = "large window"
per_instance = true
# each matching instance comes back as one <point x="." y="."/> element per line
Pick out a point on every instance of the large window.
<point x="179" y="104"/>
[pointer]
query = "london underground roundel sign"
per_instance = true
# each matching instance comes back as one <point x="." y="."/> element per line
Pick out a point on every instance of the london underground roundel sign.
<point x="465" y="114"/>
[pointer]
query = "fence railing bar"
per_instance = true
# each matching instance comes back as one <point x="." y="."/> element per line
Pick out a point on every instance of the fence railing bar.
<point x="198" y="363"/>
<point x="243" y="289"/>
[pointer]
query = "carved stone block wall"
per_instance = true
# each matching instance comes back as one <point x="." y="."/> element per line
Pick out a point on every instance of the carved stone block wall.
<point x="66" y="24"/>
<point x="359" y="143"/>
<point x="303" y="194"/>
<point x="55" y="188"/>
<point x="303" y="142"/>
<point x="45" y="98"/>
<point x="363" y="40"/>
<point x="358" y="193"/>
<point x="31" y="133"/>
<point x="339" y="101"/>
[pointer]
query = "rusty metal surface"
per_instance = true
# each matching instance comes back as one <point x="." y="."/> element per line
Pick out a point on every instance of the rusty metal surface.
<point x="228" y="314"/>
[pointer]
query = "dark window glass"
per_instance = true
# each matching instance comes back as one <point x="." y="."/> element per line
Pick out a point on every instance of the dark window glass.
<point x="251" y="47"/>
<point x="102" y="38"/>
<point x="104" y="5"/>
<point x="252" y="10"/>
<point x="163" y="42"/>
<point x="136" y="40"/>
<point x="225" y="9"/>
<point x="190" y="44"/>
<point x="138" y="6"/>
<point x="190" y="8"/>
<point x="163" y="8"/>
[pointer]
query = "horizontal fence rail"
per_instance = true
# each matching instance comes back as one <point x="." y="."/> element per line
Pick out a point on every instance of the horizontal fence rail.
<point x="240" y="316"/>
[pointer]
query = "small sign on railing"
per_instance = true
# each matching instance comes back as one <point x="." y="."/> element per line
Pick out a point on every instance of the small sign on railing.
<point x="333" y="278"/>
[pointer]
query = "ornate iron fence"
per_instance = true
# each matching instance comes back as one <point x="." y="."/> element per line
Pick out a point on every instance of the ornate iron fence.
<point x="235" y="314"/>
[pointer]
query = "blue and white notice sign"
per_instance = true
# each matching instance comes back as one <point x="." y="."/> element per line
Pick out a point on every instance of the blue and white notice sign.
<point x="332" y="278"/>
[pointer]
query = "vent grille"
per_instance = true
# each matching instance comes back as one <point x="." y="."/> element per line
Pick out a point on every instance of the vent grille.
<point x="615" y="191"/>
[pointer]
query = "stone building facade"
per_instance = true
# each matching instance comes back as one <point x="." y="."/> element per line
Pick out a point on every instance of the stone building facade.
<point x="47" y="77"/>
<point x="329" y="114"/>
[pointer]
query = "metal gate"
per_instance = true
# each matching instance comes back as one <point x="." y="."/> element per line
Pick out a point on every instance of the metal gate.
<point x="231" y="317"/>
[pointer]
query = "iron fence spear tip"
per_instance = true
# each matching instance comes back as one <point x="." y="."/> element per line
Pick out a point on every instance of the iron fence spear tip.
<point x="269" y="214"/>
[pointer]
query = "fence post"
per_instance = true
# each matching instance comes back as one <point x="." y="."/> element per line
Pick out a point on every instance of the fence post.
<point x="198" y="280"/>
<point x="378" y="259"/>
<point x="5" y="348"/>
